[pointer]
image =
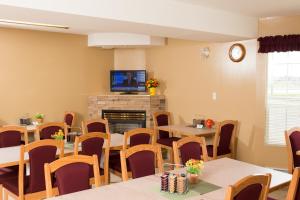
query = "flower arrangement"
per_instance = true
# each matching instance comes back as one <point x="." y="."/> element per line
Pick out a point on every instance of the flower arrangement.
<point x="152" y="83"/>
<point x="194" y="166"/>
<point x="39" y="116"/>
<point x="58" y="135"/>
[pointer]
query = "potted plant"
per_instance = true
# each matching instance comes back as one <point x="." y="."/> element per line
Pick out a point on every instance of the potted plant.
<point x="39" y="117"/>
<point x="152" y="84"/>
<point x="194" y="169"/>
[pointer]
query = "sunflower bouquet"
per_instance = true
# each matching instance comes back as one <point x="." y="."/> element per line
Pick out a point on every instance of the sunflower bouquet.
<point x="194" y="166"/>
<point x="152" y="83"/>
<point x="58" y="135"/>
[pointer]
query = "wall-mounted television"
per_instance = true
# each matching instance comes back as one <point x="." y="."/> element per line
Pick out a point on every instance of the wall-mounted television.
<point x="128" y="81"/>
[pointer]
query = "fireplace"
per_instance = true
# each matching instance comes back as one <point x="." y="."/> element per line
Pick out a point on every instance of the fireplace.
<point x="121" y="121"/>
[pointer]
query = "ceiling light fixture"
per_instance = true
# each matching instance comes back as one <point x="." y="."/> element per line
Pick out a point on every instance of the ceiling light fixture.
<point x="5" y="21"/>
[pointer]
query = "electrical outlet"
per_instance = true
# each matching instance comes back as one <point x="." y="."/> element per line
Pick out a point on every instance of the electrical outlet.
<point x="214" y="96"/>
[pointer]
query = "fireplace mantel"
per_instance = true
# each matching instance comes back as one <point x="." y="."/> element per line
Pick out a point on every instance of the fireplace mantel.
<point x="147" y="103"/>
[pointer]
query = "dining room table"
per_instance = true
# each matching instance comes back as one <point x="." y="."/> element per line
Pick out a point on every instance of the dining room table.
<point x="215" y="179"/>
<point x="188" y="130"/>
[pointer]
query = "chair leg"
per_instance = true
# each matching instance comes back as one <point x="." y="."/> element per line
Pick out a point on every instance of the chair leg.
<point x="5" y="194"/>
<point x="171" y="155"/>
<point x="1" y="192"/>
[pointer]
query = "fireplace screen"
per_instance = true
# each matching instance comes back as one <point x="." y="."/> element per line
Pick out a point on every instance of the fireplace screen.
<point x="121" y="121"/>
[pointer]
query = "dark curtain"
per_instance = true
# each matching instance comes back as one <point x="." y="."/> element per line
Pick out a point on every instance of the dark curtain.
<point x="279" y="43"/>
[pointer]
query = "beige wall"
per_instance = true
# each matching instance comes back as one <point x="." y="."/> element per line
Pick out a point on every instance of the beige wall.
<point x="132" y="59"/>
<point x="188" y="81"/>
<point x="49" y="73"/>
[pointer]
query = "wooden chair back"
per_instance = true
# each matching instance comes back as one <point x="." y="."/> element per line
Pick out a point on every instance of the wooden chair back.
<point x="58" y="164"/>
<point x="294" y="187"/>
<point x="161" y="118"/>
<point x="69" y="119"/>
<point x="59" y="145"/>
<point x="45" y="131"/>
<point x="98" y="151"/>
<point x="138" y="136"/>
<point x="95" y="125"/>
<point x="14" y="130"/>
<point x="291" y="137"/>
<point x="190" y="148"/>
<point x="254" y="187"/>
<point x="140" y="153"/>
<point x="218" y="137"/>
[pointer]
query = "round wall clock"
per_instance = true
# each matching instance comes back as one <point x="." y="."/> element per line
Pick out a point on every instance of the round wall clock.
<point x="237" y="52"/>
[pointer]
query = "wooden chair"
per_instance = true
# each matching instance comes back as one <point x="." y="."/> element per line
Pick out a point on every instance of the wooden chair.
<point x="224" y="140"/>
<point x="142" y="160"/>
<point x="72" y="174"/>
<point x="92" y="144"/>
<point x="164" y="138"/>
<point x="33" y="186"/>
<point x="45" y="131"/>
<point x="253" y="187"/>
<point x="10" y="136"/>
<point x="189" y="148"/>
<point x="95" y="125"/>
<point x="133" y="137"/>
<point x="294" y="187"/>
<point x="292" y="138"/>
<point x="69" y="119"/>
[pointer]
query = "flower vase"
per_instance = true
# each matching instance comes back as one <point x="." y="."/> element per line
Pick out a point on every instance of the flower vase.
<point x="193" y="178"/>
<point x="152" y="91"/>
<point x="40" y="120"/>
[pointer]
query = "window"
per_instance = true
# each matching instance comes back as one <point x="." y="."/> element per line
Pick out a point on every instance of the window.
<point x="283" y="95"/>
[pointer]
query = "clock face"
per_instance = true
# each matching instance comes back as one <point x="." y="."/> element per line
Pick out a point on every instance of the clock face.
<point x="237" y="52"/>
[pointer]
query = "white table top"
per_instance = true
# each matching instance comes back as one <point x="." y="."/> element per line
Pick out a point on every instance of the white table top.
<point x="10" y="155"/>
<point x="221" y="172"/>
<point x="187" y="130"/>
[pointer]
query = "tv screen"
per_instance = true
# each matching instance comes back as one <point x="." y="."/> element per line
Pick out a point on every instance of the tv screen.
<point x="128" y="80"/>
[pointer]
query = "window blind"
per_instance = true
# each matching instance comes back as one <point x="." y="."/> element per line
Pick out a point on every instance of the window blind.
<point x="283" y="95"/>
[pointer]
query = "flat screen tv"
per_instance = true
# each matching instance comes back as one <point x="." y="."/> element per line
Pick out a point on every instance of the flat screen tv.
<point x="128" y="81"/>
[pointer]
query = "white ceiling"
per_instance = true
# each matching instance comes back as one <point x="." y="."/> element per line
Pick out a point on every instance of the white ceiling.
<point x="165" y="18"/>
<point x="256" y="8"/>
<point x="203" y="20"/>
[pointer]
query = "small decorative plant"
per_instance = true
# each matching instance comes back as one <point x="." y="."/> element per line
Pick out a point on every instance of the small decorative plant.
<point x="39" y="116"/>
<point x="194" y="166"/>
<point x="152" y="83"/>
<point x="58" y="135"/>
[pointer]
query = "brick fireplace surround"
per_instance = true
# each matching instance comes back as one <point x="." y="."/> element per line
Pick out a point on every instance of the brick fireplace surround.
<point x="147" y="103"/>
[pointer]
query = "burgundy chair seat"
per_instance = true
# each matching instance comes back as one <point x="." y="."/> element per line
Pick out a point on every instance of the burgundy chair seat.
<point x="12" y="185"/>
<point x="7" y="173"/>
<point x="295" y="144"/>
<point x="47" y="132"/>
<point x="252" y="192"/>
<point x="167" y="141"/>
<point x="10" y="138"/>
<point x="270" y="198"/>
<point x="142" y="164"/>
<point x="219" y="151"/>
<point x="73" y="178"/>
<point x="69" y="119"/>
